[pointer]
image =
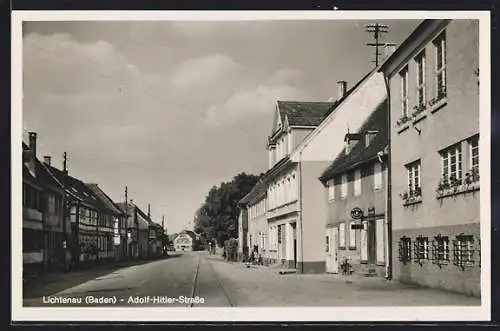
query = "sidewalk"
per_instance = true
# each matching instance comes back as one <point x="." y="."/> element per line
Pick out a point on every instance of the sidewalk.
<point x="53" y="282"/>
<point x="263" y="286"/>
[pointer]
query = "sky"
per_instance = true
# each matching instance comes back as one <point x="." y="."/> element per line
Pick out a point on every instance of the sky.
<point x="171" y="108"/>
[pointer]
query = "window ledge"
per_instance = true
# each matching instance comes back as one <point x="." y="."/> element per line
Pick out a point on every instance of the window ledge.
<point x="418" y="117"/>
<point x="464" y="188"/>
<point x="402" y="127"/>
<point x="438" y="104"/>
<point x="352" y="248"/>
<point x="413" y="201"/>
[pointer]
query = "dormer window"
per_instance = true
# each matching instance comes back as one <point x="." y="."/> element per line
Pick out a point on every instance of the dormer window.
<point x="350" y="140"/>
<point x="369" y="136"/>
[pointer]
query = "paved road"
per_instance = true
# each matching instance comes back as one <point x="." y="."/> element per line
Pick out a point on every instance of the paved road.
<point x="188" y="279"/>
<point x="198" y="279"/>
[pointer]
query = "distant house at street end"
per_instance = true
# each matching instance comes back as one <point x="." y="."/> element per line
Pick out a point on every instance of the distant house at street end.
<point x="184" y="241"/>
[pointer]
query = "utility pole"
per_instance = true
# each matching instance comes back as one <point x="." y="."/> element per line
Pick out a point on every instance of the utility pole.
<point x="126" y="252"/>
<point x="377" y="29"/>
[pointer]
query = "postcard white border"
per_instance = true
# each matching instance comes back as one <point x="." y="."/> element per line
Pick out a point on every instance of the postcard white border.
<point x="439" y="313"/>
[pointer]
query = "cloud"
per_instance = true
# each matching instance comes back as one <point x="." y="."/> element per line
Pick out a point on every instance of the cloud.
<point x="260" y="100"/>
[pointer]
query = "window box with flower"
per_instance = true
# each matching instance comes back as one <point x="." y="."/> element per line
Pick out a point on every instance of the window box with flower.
<point x="419" y="112"/>
<point x="412" y="197"/>
<point x="403" y="123"/>
<point x="438" y="101"/>
<point x="453" y="185"/>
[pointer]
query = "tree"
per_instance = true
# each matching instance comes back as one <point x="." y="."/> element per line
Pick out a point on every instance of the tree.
<point x="217" y="217"/>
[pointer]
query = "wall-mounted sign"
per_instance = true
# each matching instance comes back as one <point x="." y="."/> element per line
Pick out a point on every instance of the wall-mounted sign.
<point x="357" y="226"/>
<point x="356" y="213"/>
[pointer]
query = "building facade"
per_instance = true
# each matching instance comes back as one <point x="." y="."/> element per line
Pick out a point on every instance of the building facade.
<point x="357" y="179"/>
<point x="184" y="242"/>
<point x="297" y="207"/>
<point x="257" y="233"/>
<point x="90" y="221"/>
<point x="43" y="214"/>
<point x="112" y="226"/>
<point x="293" y="121"/>
<point x="434" y="152"/>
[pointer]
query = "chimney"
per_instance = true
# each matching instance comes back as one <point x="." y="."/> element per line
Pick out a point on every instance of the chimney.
<point x="65" y="163"/>
<point x="342" y="88"/>
<point x="149" y="210"/>
<point x="46" y="160"/>
<point x="32" y="155"/>
<point x="32" y="143"/>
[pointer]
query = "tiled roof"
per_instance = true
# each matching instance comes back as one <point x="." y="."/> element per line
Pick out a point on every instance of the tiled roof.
<point x="105" y="199"/>
<point x="304" y="113"/>
<point x="258" y="191"/>
<point x="359" y="153"/>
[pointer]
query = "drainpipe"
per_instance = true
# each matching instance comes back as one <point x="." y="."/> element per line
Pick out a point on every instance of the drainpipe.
<point x="388" y="211"/>
<point x="300" y="210"/>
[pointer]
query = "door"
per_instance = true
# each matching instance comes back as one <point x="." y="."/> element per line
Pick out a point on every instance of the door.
<point x="332" y="236"/>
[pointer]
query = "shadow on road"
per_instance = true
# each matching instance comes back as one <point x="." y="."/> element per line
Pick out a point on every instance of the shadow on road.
<point x="51" y="283"/>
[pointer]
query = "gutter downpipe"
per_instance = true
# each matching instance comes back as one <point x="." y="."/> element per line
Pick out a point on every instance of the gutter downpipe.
<point x="300" y="210"/>
<point x="388" y="212"/>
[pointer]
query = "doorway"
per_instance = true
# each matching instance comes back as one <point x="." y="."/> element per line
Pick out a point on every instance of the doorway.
<point x="331" y="250"/>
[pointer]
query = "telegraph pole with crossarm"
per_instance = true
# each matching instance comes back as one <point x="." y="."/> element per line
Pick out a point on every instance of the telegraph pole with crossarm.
<point x="377" y="29"/>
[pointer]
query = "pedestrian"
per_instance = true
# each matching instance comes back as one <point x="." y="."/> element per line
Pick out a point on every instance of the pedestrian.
<point x="210" y="248"/>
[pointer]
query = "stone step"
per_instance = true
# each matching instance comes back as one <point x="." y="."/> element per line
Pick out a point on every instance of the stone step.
<point x="287" y="271"/>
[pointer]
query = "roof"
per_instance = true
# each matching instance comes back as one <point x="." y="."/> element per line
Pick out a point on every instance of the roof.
<point x="105" y="199"/>
<point x="75" y="187"/>
<point x="304" y="113"/>
<point x="359" y="153"/>
<point x="258" y="191"/>
<point x="305" y="142"/>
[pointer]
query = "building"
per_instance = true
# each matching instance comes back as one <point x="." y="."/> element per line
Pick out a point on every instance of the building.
<point x="184" y="241"/>
<point x="156" y="239"/>
<point x="434" y="156"/>
<point x="118" y="233"/>
<point x="91" y="220"/>
<point x="293" y="121"/>
<point x="306" y="138"/>
<point x="43" y="215"/>
<point x="254" y="204"/>
<point x="137" y="230"/>
<point x="357" y="179"/>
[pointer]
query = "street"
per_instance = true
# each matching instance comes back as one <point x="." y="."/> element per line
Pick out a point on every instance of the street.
<point x="193" y="279"/>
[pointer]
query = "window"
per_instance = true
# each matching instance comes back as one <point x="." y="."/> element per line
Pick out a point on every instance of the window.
<point x="473" y="174"/>
<point x="327" y="249"/>
<point x="421" y="249"/>
<point x="463" y="250"/>
<point x="377" y="176"/>
<point x="51" y="201"/>
<point x="331" y="189"/>
<point x="352" y="236"/>
<point x="363" y="240"/>
<point x="451" y="165"/>
<point x="357" y="182"/>
<point x="441" y="250"/>
<point x="413" y="170"/>
<point x="342" y="235"/>
<point x="440" y="73"/>
<point x="420" y="64"/>
<point x="379" y="238"/>
<point x="343" y="187"/>
<point x="405" y="250"/>
<point x="404" y="91"/>
<point x="279" y="234"/>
